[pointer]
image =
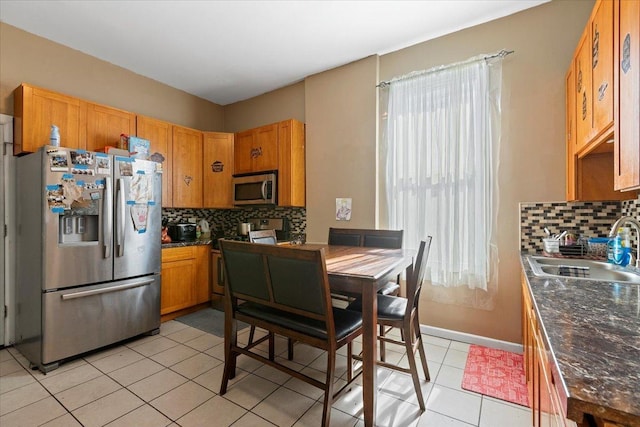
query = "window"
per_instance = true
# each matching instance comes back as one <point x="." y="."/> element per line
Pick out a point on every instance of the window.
<point x="440" y="151"/>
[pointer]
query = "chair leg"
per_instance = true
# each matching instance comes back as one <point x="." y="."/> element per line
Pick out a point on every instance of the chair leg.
<point x="328" y="388"/>
<point x="411" y="357"/>
<point x="272" y="346"/>
<point x="382" y="344"/>
<point x="423" y="356"/>
<point x="252" y="332"/>
<point x="349" y="362"/>
<point x="230" y="356"/>
<point x="289" y="349"/>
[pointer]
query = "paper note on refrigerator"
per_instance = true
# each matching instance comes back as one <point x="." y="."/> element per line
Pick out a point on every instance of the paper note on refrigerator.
<point x="139" y="215"/>
<point x="141" y="188"/>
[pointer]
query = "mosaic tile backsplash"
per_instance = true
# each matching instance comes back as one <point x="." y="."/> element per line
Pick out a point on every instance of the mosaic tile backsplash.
<point x="589" y="219"/>
<point x="227" y="219"/>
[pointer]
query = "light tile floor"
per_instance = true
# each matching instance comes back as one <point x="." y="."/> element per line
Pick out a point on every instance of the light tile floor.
<point x="173" y="379"/>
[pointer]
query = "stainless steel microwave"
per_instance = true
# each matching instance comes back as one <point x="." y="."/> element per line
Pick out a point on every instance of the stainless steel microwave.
<point x="255" y="189"/>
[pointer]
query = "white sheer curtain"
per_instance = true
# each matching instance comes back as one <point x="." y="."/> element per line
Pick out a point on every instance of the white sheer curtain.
<point x="442" y="139"/>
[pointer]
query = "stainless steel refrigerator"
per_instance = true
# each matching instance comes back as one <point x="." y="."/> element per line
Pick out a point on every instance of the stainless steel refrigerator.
<point x="88" y="252"/>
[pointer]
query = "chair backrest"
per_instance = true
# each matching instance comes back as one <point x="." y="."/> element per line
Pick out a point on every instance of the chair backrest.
<point x="389" y="239"/>
<point x="344" y="237"/>
<point x="267" y="237"/>
<point x="289" y="279"/>
<point x="414" y="282"/>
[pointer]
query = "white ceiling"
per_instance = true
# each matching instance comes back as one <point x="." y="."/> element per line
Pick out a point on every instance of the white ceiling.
<point x="227" y="51"/>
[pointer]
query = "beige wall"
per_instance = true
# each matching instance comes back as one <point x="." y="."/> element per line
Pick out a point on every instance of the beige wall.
<point x="281" y="104"/>
<point x="532" y="155"/>
<point x="339" y="107"/>
<point x="340" y="113"/>
<point x="27" y="58"/>
<point x="341" y="117"/>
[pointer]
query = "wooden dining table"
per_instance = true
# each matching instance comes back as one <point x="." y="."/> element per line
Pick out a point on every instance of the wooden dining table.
<point x="363" y="270"/>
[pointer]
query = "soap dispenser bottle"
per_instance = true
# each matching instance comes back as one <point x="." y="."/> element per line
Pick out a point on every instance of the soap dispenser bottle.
<point x="620" y="248"/>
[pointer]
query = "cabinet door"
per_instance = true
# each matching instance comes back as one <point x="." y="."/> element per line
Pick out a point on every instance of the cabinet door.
<point x="602" y="67"/>
<point x="202" y="283"/>
<point x="265" y="151"/>
<point x="217" y="169"/>
<point x="106" y="124"/>
<point x="242" y="151"/>
<point x="627" y="103"/>
<point x="160" y="137"/>
<point x="291" y="163"/>
<point x="37" y="109"/>
<point x="256" y="150"/>
<point x="178" y="279"/>
<point x="570" y="124"/>
<point x="584" y="118"/>
<point x="530" y="357"/>
<point x="187" y="168"/>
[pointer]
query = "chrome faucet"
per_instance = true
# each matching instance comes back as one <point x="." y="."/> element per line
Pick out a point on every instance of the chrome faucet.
<point x="636" y="224"/>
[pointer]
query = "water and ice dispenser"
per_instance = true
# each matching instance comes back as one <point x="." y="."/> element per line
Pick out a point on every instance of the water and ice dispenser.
<point x="78" y="229"/>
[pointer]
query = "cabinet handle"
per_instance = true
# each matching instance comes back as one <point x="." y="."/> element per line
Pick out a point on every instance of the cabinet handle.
<point x="601" y="90"/>
<point x="625" y="64"/>
<point x="220" y="272"/>
<point x="256" y="152"/>
<point x="584" y="105"/>
<point x="596" y="43"/>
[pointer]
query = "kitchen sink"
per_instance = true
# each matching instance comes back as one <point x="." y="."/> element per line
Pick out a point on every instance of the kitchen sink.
<point x="584" y="269"/>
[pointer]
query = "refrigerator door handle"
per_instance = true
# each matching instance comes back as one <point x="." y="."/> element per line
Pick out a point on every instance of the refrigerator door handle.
<point x="106" y="290"/>
<point x="120" y="223"/>
<point x="107" y="214"/>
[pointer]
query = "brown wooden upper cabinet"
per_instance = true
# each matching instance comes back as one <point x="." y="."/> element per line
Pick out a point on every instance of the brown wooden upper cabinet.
<point x="594" y="79"/>
<point x="278" y="146"/>
<point x="106" y="124"/>
<point x="187" y="168"/>
<point x="256" y="150"/>
<point x="291" y="163"/>
<point x="82" y="124"/>
<point x="217" y="166"/>
<point x="36" y="109"/>
<point x="603" y="147"/>
<point x="627" y="97"/>
<point x="160" y="136"/>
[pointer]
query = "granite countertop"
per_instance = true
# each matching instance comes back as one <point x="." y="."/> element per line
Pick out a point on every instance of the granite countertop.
<point x="592" y="333"/>
<point x="199" y="242"/>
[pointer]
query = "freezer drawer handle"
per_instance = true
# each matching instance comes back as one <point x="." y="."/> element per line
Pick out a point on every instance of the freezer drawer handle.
<point x="107" y="290"/>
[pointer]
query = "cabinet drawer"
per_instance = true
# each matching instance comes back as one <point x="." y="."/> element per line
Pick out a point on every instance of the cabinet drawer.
<point x="175" y="254"/>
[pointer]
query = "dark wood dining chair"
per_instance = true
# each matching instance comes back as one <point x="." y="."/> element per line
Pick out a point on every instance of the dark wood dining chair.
<point x="388" y="239"/>
<point x="402" y="313"/>
<point x="266" y="237"/>
<point x="345" y="237"/>
<point x="284" y="290"/>
<point x="263" y="236"/>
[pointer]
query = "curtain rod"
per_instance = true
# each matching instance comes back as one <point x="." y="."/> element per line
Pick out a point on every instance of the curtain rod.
<point x="500" y="54"/>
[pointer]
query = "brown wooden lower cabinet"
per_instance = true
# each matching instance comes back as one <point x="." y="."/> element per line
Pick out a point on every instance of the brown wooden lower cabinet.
<point x="543" y="395"/>
<point x="185" y="278"/>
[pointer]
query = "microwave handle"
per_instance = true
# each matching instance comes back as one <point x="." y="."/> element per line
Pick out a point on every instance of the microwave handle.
<point x="264" y="189"/>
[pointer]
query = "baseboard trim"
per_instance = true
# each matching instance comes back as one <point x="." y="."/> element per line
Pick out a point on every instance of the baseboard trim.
<point x="471" y="339"/>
